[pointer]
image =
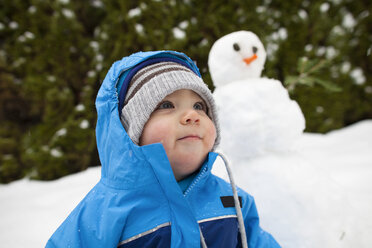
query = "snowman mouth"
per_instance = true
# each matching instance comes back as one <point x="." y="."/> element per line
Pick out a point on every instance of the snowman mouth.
<point x="250" y="59"/>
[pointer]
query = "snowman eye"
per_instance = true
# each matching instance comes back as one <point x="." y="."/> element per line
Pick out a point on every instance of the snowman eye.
<point x="254" y="49"/>
<point x="236" y="47"/>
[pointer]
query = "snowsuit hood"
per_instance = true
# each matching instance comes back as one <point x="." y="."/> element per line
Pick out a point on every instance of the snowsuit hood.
<point x="114" y="145"/>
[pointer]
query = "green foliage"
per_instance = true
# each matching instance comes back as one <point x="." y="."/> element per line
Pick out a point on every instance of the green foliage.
<point x="307" y="71"/>
<point x="55" y="53"/>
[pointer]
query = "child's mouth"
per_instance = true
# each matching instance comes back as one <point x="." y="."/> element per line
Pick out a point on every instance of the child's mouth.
<point x="190" y="137"/>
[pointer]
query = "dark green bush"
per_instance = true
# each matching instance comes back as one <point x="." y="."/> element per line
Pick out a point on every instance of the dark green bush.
<point x="54" y="55"/>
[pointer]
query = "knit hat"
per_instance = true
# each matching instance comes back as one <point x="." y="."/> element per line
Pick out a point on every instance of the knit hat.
<point x="150" y="85"/>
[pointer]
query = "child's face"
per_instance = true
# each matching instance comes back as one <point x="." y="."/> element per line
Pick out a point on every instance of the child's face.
<point x="181" y="124"/>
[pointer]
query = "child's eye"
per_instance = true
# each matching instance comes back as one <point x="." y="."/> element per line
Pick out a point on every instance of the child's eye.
<point x="200" y="106"/>
<point x="165" y="105"/>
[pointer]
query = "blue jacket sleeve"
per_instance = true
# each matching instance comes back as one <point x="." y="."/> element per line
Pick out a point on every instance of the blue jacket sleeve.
<point x="256" y="236"/>
<point x="95" y="222"/>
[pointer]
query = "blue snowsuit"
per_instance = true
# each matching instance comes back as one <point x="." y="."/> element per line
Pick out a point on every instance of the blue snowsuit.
<point x="138" y="203"/>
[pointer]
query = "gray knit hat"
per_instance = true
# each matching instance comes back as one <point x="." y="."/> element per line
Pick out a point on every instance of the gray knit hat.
<point x="150" y="85"/>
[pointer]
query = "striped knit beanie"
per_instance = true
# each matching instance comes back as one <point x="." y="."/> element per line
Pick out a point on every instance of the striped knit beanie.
<point x="150" y="85"/>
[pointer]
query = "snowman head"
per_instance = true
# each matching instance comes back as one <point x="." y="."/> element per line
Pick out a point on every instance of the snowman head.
<point x="236" y="56"/>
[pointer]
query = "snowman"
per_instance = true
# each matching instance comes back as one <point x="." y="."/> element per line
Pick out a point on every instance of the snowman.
<point x="257" y="118"/>
<point x="256" y="114"/>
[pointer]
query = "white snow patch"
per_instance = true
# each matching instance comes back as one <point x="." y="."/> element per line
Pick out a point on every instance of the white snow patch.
<point x="307" y="198"/>
<point x="281" y="34"/>
<point x="29" y="35"/>
<point x="21" y="38"/>
<point x="13" y="25"/>
<point x="271" y="49"/>
<point x="80" y="107"/>
<point x="358" y="76"/>
<point x="56" y="153"/>
<point x="94" y="45"/>
<point x="99" y="57"/>
<point x="302" y="14"/>
<point x="51" y="78"/>
<point x="61" y="132"/>
<point x="178" y="33"/>
<point x="134" y="12"/>
<point x="32" y="9"/>
<point x="204" y="42"/>
<point x="308" y="48"/>
<point x="324" y="7"/>
<point x="91" y="73"/>
<point x="139" y="28"/>
<point x="183" y="24"/>
<point x="99" y="67"/>
<point x="97" y="3"/>
<point x="348" y="21"/>
<point x="338" y="30"/>
<point x="68" y="13"/>
<point x="345" y="67"/>
<point x="261" y="9"/>
<point x="319" y="109"/>
<point x="321" y="51"/>
<point x="331" y="52"/>
<point x="84" y="124"/>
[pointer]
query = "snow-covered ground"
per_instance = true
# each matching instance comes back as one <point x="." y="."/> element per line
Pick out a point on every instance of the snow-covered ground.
<point x="318" y="195"/>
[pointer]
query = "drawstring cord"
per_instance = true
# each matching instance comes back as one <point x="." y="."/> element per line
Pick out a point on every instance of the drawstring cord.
<point x="202" y="240"/>
<point x="237" y="203"/>
<point x="237" y="208"/>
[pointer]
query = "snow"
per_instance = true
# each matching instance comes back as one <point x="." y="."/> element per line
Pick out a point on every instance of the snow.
<point x="139" y="28"/>
<point x="324" y="7"/>
<point x="261" y="115"/>
<point x="13" y="25"/>
<point x="348" y="21"/>
<point x="68" y="13"/>
<point x="178" y="33"/>
<point x="134" y="12"/>
<point x="345" y="67"/>
<point x="32" y="9"/>
<point x="61" y="132"/>
<point x="56" y="153"/>
<point x="80" y="107"/>
<point x="303" y="14"/>
<point x="317" y="196"/>
<point x="84" y="124"/>
<point x="358" y="76"/>
<point x="281" y="34"/>
<point x="94" y="45"/>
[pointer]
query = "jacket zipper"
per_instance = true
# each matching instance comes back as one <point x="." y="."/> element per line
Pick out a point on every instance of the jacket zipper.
<point x="196" y="180"/>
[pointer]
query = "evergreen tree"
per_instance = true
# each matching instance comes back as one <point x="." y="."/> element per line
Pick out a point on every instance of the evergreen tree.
<point x="55" y="53"/>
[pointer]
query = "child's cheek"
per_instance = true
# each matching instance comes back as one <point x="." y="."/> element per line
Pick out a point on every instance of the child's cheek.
<point x="155" y="131"/>
<point x="212" y="134"/>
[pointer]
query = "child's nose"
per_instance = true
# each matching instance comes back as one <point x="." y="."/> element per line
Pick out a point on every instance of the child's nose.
<point x="190" y="117"/>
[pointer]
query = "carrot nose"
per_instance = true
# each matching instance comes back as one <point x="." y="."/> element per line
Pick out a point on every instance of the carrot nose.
<point x="250" y="59"/>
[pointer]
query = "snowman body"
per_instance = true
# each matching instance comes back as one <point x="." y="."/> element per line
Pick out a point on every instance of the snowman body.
<point x="255" y="113"/>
